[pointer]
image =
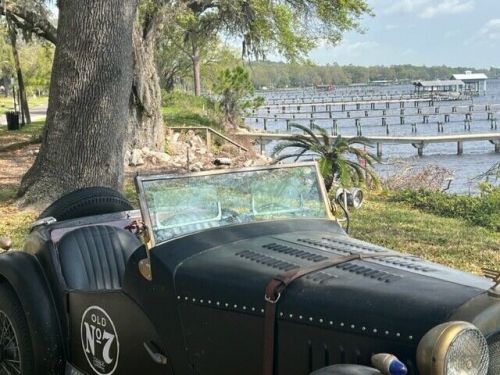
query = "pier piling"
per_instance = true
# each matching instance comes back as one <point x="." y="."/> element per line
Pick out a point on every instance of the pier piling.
<point x="440" y="127"/>
<point x="467" y="124"/>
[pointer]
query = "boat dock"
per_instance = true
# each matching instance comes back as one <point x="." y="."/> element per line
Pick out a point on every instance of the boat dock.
<point x="419" y="142"/>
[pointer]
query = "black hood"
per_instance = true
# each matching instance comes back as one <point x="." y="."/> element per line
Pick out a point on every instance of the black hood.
<point x="401" y="297"/>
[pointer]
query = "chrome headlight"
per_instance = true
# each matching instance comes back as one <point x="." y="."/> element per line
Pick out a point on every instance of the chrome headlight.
<point x="494" y="345"/>
<point x="453" y="348"/>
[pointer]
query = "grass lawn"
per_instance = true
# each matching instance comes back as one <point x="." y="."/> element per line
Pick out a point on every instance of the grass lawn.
<point x="187" y="110"/>
<point x="7" y="103"/>
<point x="449" y="241"/>
<point x="26" y="134"/>
<point x="13" y="223"/>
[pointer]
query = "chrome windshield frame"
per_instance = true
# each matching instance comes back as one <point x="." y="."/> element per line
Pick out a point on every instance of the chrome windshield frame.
<point x="146" y="178"/>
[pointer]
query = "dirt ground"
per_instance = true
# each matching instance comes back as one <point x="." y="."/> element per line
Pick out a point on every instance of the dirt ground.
<point x="14" y="164"/>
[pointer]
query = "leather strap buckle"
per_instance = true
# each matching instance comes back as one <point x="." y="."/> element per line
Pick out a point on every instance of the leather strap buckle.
<point x="270" y="300"/>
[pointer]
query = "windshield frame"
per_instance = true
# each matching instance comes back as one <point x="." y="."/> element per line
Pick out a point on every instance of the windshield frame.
<point x="142" y="195"/>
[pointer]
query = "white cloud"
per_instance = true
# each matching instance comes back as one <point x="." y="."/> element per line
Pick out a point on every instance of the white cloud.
<point x="491" y="30"/>
<point x="447" y="7"/>
<point x="355" y="49"/>
<point x="431" y="8"/>
<point x="489" y="34"/>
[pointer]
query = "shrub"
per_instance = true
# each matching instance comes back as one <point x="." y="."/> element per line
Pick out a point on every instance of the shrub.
<point x="483" y="209"/>
<point x="429" y="178"/>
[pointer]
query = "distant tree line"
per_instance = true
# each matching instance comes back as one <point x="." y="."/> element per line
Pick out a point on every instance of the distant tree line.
<point x="279" y="75"/>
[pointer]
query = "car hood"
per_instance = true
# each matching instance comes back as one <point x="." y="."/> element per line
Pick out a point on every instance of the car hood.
<point x="400" y="297"/>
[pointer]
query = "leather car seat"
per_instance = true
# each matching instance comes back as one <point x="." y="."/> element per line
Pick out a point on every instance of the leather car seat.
<point x="94" y="257"/>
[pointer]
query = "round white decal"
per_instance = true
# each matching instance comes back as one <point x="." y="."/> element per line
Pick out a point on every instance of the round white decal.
<point x="99" y="340"/>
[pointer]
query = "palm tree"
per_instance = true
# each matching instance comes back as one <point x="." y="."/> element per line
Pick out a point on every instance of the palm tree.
<point x="334" y="161"/>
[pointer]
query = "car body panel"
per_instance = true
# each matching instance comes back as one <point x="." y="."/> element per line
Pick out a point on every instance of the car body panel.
<point x="25" y="276"/>
<point x="111" y="313"/>
<point x="351" y="311"/>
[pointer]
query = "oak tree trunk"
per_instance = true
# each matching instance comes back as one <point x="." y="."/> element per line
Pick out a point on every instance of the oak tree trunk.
<point x="92" y="75"/>
<point x="145" y="126"/>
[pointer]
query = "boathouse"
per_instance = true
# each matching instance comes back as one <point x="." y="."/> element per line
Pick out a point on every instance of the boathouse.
<point x="439" y="87"/>
<point x="475" y="83"/>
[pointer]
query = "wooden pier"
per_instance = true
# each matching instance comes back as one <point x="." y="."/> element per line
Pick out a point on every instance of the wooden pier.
<point x="466" y="114"/>
<point x="348" y="101"/>
<point x="418" y="142"/>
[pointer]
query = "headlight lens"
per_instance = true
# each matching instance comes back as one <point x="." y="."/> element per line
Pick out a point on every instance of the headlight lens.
<point x="453" y="348"/>
<point x="494" y="345"/>
<point x="467" y="354"/>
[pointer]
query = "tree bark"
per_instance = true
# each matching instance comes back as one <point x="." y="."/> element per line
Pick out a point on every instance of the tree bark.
<point x="83" y="140"/>
<point x="145" y="126"/>
<point x="23" y="100"/>
<point x="195" y="58"/>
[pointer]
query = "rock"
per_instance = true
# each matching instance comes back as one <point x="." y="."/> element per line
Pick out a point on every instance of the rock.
<point x="260" y="162"/>
<point x="248" y="163"/>
<point x="5" y="243"/>
<point x="222" y="161"/>
<point x="175" y="137"/>
<point x="165" y="158"/>
<point x="196" y="167"/>
<point x="199" y="141"/>
<point x="200" y="151"/>
<point x="136" y="158"/>
<point x="229" y="149"/>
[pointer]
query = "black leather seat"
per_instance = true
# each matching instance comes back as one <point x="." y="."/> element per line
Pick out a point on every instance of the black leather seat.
<point x="94" y="257"/>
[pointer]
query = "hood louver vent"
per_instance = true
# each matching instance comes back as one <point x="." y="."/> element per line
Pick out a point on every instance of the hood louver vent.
<point x="267" y="260"/>
<point x="368" y="272"/>
<point x="345" y="247"/>
<point x="295" y="252"/>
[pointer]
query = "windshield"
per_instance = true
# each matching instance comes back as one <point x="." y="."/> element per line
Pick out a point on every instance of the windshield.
<point x="173" y="206"/>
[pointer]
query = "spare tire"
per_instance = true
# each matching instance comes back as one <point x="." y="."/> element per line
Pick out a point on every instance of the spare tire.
<point x="87" y="202"/>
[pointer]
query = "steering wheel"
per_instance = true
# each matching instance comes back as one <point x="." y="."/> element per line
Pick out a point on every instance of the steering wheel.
<point x="272" y="206"/>
<point x="182" y="218"/>
<point x="231" y="216"/>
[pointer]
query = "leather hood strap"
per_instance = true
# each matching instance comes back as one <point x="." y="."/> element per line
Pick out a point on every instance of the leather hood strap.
<point x="276" y="287"/>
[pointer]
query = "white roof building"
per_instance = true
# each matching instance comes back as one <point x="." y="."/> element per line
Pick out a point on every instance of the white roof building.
<point x="469" y="76"/>
<point x="472" y="81"/>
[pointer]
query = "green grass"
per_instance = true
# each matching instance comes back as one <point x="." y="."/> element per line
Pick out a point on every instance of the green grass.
<point x="17" y="138"/>
<point x="7" y="103"/>
<point x="449" y="241"/>
<point x="13" y="222"/>
<point x="182" y="109"/>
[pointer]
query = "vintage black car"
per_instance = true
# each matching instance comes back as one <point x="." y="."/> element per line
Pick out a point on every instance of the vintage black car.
<point x="232" y="272"/>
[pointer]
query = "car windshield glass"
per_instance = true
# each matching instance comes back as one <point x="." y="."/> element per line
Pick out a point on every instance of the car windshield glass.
<point x="177" y="205"/>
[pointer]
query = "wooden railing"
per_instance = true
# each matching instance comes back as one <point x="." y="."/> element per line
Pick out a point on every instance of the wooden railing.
<point x="208" y="135"/>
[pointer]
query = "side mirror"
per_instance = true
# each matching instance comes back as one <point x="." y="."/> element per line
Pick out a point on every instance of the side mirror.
<point x="5" y="243"/>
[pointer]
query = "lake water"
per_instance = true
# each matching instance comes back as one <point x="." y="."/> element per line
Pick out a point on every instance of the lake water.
<point x="477" y="157"/>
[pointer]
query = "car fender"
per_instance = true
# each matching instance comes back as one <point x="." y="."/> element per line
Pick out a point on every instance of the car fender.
<point x="24" y="274"/>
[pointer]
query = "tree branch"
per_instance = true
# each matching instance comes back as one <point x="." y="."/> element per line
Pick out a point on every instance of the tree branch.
<point x="32" y="22"/>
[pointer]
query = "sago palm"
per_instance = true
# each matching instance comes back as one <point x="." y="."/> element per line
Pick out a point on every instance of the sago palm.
<point x="339" y="159"/>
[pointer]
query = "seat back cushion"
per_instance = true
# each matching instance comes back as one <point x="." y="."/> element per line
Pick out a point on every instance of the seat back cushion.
<point x="94" y="257"/>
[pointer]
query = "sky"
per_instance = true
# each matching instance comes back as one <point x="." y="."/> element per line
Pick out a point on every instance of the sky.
<point x="422" y="32"/>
